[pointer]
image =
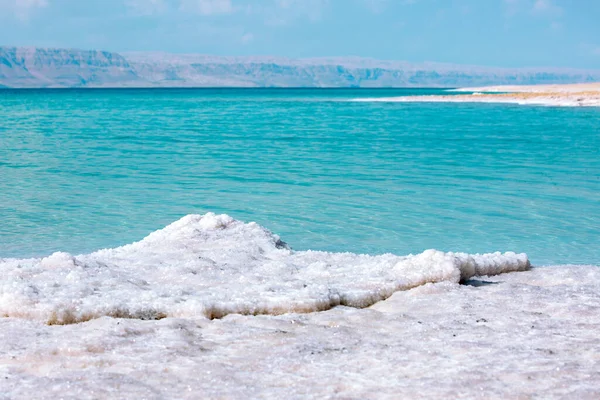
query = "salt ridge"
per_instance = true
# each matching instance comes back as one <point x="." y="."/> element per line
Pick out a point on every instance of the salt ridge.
<point x="213" y="265"/>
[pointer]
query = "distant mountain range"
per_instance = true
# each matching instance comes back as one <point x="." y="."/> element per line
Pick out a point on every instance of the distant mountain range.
<point x="25" y="67"/>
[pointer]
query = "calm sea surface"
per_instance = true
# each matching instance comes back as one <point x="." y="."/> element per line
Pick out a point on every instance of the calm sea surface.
<point x="87" y="169"/>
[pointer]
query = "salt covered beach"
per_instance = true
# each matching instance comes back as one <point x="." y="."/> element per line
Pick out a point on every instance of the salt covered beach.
<point x="214" y="307"/>
<point x="567" y="95"/>
<point x="349" y="323"/>
<point x="212" y="266"/>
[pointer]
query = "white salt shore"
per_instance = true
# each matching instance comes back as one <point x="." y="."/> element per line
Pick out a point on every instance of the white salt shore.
<point x="558" y="88"/>
<point x="518" y="333"/>
<point x="213" y="265"/>
<point x="574" y="95"/>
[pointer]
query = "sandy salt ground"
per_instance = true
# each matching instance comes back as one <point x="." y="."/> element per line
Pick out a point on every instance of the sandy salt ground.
<point x="521" y="335"/>
<point x="525" y="334"/>
<point x="549" y="95"/>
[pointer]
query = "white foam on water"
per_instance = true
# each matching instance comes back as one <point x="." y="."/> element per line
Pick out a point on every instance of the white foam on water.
<point x="211" y="266"/>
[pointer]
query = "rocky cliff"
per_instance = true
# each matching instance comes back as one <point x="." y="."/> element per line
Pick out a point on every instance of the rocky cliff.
<point x="35" y="67"/>
<point x="38" y="67"/>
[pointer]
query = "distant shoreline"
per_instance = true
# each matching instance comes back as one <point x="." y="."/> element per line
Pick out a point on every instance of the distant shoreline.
<point x="562" y="95"/>
<point x="282" y="88"/>
<point x="36" y="67"/>
<point x="559" y="95"/>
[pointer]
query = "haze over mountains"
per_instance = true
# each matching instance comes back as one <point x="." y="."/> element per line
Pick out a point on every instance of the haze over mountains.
<point x="63" y="68"/>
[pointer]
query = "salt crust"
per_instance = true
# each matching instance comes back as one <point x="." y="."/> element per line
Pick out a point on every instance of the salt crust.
<point x="523" y="335"/>
<point x="211" y="266"/>
<point x="567" y="95"/>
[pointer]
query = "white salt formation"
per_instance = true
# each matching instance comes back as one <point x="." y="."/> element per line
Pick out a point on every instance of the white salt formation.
<point x="211" y="266"/>
<point x="524" y="335"/>
<point x="567" y="95"/>
<point x="516" y="335"/>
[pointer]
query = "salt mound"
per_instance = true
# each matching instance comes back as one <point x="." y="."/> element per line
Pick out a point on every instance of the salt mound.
<point x="213" y="265"/>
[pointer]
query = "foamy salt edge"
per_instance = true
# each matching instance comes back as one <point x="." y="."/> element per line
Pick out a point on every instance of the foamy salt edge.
<point x="572" y="95"/>
<point x="553" y="101"/>
<point x="213" y="265"/>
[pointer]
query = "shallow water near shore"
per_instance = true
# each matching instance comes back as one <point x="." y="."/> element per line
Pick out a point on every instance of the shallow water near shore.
<point x="84" y="170"/>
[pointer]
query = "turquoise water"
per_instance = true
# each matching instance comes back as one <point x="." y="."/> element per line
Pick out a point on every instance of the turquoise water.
<point x="87" y="169"/>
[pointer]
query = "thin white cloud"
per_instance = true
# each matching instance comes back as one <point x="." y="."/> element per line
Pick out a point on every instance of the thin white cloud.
<point x="247" y="38"/>
<point x="287" y="12"/>
<point x="512" y="7"/>
<point x="376" y="6"/>
<point x="379" y="6"/>
<point x="146" y="7"/>
<point x="311" y="9"/>
<point x="590" y="49"/>
<point x="538" y="8"/>
<point x="208" y="7"/>
<point x="556" y="26"/>
<point x="546" y="7"/>
<point x="22" y="9"/>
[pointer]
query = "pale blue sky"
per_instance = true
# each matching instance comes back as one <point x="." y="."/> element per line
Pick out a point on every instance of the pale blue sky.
<point x="515" y="33"/>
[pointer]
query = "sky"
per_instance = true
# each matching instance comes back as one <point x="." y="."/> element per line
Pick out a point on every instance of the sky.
<point x="505" y="33"/>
